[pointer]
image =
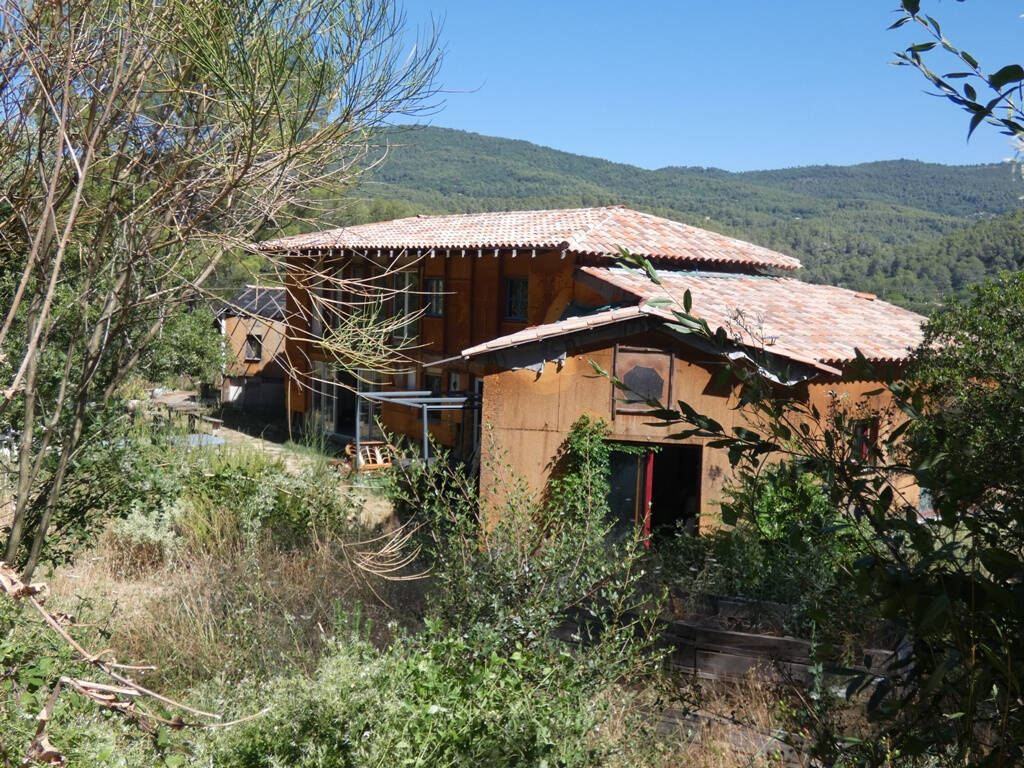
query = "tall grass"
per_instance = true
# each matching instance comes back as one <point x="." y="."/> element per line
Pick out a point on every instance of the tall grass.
<point x="239" y="567"/>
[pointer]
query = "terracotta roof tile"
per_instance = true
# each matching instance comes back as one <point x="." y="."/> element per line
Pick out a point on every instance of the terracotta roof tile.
<point x="558" y="328"/>
<point x="585" y="231"/>
<point x="797" y="319"/>
<point x="808" y="323"/>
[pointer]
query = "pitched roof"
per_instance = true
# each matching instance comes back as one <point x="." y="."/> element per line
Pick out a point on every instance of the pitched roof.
<point x="796" y="319"/>
<point x="558" y="328"/>
<point x="818" y="325"/>
<point x="257" y="301"/>
<point x="584" y="231"/>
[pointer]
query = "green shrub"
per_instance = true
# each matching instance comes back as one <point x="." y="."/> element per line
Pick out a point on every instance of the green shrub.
<point x="32" y="659"/>
<point x="189" y="346"/>
<point x="435" y="701"/>
<point x="241" y="497"/>
<point x="779" y="501"/>
<point x="123" y="469"/>
<point x="788" y="546"/>
<point x="511" y="570"/>
<point x="141" y="542"/>
<point x="146" y="488"/>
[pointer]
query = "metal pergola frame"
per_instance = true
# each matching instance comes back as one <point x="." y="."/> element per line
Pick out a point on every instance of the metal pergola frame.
<point x="422" y="399"/>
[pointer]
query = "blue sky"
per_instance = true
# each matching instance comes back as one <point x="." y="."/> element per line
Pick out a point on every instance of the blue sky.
<point x="739" y="85"/>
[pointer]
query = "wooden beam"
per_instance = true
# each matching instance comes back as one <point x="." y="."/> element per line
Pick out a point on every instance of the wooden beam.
<point x="472" y="290"/>
<point x="502" y="291"/>
<point x="446" y="314"/>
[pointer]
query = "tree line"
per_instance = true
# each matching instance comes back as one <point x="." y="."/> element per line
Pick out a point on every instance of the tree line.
<point x="911" y="232"/>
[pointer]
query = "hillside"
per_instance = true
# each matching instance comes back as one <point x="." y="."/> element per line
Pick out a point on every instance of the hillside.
<point x="869" y="226"/>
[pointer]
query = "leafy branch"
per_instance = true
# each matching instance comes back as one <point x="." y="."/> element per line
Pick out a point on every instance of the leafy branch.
<point x="1004" y="87"/>
<point x="123" y="697"/>
<point x="951" y="581"/>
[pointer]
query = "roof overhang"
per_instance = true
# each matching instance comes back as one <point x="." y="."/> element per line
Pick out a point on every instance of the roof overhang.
<point x="554" y="346"/>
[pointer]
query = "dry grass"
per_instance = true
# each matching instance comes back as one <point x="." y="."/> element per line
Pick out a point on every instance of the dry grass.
<point x="739" y="725"/>
<point x="237" y="614"/>
<point x="699" y="724"/>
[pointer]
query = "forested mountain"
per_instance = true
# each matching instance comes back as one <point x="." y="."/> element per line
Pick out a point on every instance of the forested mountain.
<point x="962" y="190"/>
<point x="907" y="230"/>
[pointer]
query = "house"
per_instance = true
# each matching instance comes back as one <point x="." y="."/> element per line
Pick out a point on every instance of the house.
<point x="253" y="324"/>
<point x="516" y="305"/>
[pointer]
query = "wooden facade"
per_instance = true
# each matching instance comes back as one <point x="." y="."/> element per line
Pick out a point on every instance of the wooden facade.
<point x="255" y="332"/>
<point x="501" y="301"/>
<point x="239" y="333"/>
<point x="475" y="297"/>
<point x="529" y="415"/>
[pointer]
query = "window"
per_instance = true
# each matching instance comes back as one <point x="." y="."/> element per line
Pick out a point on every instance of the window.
<point x="406" y="304"/>
<point x="865" y="441"/>
<point x="369" y="381"/>
<point x="253" y="348"/>
<point x="332" y="309"/>
<point x="647" y="374"/>
<point x="645" y="384"/>
<point x="432" y="381"/>
<point x="454" y="382"/>
<point x="316" y="309"/>
<point x="433" y="287"/>
<point x="516" y="298"/>
<point x="324" y="398"/>
<point x="353" y="295"/>
<point x="379" y="302"/>
<point x="926" y="505"/>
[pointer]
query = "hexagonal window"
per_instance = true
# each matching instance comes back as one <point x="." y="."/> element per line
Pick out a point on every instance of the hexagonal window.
<point x="644" y="384"/>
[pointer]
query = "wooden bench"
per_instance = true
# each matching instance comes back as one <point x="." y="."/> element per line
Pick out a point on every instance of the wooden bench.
<point x="373" y="454"/>
<point x="213" y="422"/>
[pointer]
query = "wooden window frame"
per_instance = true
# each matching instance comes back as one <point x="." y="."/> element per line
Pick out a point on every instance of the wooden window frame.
<point x="256" y="347"/>
<point x="406" y="303"/>
<point x="865" y="446"/>
<point x="434" y="417"/>
<point x="619" y="405"/>
<point x="433" y="292"/>
<point x="515" y="282"/>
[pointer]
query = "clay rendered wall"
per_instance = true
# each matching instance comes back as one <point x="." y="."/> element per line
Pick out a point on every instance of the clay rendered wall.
<point x="527" y="416"/>
<point x="853" y="398"/>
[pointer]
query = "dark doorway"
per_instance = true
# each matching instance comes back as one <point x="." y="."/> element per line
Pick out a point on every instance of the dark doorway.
<point x="626" y="488"/>
<point x="674" y="492"/>
<point x="675" y="496"/>
<point x="346" y="415"/>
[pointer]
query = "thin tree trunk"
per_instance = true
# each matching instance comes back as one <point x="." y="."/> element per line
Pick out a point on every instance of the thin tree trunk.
<point x="25" y="456"/>
<point x="52" y="496"/>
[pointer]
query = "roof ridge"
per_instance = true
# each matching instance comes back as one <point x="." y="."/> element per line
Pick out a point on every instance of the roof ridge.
<point x="573" y="242"/>
<point x="594" y="230"/>
<point x="504" y="213"/>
